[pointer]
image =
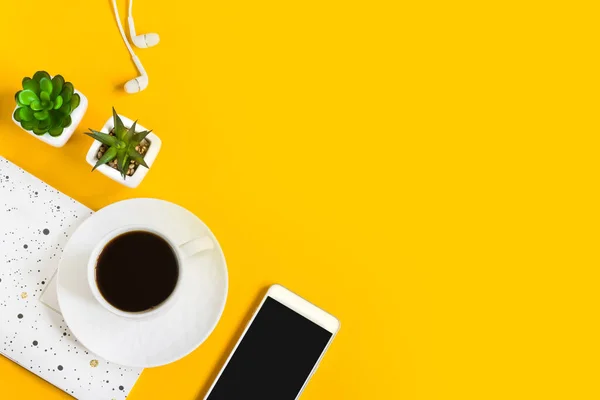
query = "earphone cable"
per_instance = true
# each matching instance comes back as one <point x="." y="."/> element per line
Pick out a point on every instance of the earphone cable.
<point x="121" y="28"/>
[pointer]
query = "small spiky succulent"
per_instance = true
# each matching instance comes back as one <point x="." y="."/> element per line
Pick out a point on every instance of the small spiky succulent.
<point x="121" y="146"/>
<point x="45" y="104"/>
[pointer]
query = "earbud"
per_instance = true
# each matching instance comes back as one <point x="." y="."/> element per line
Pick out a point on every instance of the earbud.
<point x="144" y="40"/>
<point x="137" y="84"/>
<point x="141" y="82"/>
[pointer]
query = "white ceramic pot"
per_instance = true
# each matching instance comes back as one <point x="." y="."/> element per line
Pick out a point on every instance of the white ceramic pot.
<point x="140" y="172"/>
<point x="76" y="117"/>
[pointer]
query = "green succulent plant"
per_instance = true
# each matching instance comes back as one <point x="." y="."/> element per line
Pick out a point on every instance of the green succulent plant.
<point x="120" y="146"/>
<point x="45" y="104"/>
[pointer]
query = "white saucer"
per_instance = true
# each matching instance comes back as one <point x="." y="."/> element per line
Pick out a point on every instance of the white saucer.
<point x="166" y="337"/>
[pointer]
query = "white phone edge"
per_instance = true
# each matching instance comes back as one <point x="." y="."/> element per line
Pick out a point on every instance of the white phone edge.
<point x="302" y="307"/>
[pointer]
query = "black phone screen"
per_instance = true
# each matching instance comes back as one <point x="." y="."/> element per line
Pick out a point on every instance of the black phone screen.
<point x="274" y="358"/>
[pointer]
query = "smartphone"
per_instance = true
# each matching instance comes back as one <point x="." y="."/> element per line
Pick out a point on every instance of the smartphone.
<point x="278" y="352"/>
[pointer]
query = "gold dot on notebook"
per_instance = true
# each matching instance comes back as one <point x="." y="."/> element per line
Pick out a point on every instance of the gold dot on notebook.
<point x="24" y="295"/>
<point x="94" y="363"/>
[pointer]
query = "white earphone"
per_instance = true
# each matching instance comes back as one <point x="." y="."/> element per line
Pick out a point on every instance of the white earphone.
<point x="142" y="41"/>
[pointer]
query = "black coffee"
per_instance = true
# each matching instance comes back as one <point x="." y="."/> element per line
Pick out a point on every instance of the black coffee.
<point x="137" y="271"/>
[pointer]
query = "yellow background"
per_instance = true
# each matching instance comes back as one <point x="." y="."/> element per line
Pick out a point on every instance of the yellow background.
<point x="427" y="171"/>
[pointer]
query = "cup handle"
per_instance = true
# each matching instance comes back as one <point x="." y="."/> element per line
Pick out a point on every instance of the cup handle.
<point x="197" y="245"/>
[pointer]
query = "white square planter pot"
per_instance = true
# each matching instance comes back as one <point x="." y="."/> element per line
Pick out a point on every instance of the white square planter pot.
<point x="76" y="117"/>
<point x="140" y="173"/>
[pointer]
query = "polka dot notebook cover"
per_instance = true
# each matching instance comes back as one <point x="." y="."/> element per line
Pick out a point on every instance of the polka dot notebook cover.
<point x="36" y="221"/>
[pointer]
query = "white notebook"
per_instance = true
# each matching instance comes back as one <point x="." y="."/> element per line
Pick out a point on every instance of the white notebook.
<point x="36" y="221"/>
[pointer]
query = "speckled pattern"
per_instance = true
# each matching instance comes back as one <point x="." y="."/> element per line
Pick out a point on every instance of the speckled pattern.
<point x="35" y="223"/>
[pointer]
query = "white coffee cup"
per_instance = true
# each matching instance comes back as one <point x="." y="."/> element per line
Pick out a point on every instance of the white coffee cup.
<point x="182" y="252"/>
